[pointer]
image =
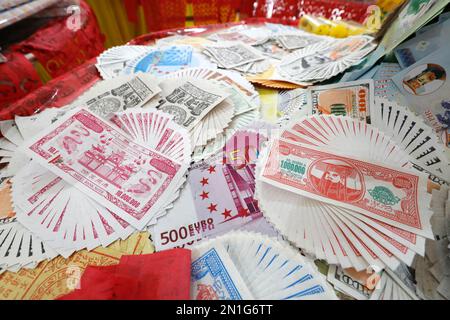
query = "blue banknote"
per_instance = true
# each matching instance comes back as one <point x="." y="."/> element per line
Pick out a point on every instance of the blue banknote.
<point x="170" y="57"/>
<point x="211" y="279"/>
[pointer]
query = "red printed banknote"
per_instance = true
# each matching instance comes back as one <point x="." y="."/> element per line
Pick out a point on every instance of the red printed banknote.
<point x="99" y="159"/>
<point x="392" y="195"/>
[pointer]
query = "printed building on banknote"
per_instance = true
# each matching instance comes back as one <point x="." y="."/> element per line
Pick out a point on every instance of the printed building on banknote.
<point x="241" y="184"/>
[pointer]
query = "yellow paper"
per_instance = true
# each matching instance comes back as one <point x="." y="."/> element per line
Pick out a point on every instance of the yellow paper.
<point x="138" y="243"/>
<point x="54" y="278"/>
<point x="6" y="209"/>
<point x="313" y="25"/>
<point x="336" y="30"/>
<point x="269" y="107"/>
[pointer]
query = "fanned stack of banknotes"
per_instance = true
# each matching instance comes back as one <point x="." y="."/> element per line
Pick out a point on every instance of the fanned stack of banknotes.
<point x="344" y="195"/>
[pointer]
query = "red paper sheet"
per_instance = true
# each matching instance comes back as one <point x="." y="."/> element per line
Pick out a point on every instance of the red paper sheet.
<point x="55" y="93"/>
<point x="17" y="78"/>
<point x="164" y="275"/>
<point x="62" y="45"/>
<point x="97" y="283"/>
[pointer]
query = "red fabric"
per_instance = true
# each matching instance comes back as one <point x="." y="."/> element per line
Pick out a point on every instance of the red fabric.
<point x="164" y="14"/>
<point x="159" y="276"/>
<point x="102" y="277"/>
<point x="284" y="9"/>
<point x="246" y="9"/>
<point x="193" y="31"/>
<point x="17" y="79"/>
<point x="131" y="8"/>
<point x="57" y="92"/>
<point x="291" y="10"/>
<point x="347" y="10"/>
<point x="214" y="11"/>
<point x="59" y="48"/>
<point x="164" y="275"/>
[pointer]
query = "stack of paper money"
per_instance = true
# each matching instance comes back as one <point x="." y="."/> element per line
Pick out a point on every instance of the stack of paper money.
<point x="93" y="181"/>
<point x="433" y="270"/>
<point x="238" y="110"/>
<point x="365" y="285"/>
<point x="345" y="192"/>
<point x="325" y="59"/>
<point x="415" y="137"/>
<point x="238" y="56"/>
<point x="246" y="265"/>
<point x="20" y="248"/>
<point x="359" y="100"/>
<point x="156" y="60"/>
<point x="298" y="40"/>
<point x="204" y="120"/>
<point x="250" y="35"/>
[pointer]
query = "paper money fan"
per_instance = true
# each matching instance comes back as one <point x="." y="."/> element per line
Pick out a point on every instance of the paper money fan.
<point x="111" y="62"/>
<point x="253" y="266"/>
<point x="162" y="60"/>
<point x="67" y="219"/>
<point x="15" y="132"/>
<point x="212" y="123"/>
<point x="157" y="60"/>
<point x="238" y="56"/>
<point x="414" y="136"/>
<point x="298" y="40"/>
<point x="324" y="59"/>
<point x="18" y="246"/>
<point x="340" y="235"/>
<point x="241" y="95"/>
<point x="225" y="77"/>
<point x="124" y="92"/>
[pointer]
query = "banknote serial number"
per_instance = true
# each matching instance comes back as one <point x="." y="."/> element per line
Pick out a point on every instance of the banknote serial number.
<point x="128" y="199"/>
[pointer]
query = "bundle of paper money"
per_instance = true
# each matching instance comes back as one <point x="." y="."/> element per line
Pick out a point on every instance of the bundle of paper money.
<point x="252" y="266"/>
<point x="237" y="108"/>
<point x="90" y="184"/>
<point x="364" y="285"/>
<point x="353" y="198"/>
<point x="237" y="56"/>
<point x="218" y="196"/>
<point x="432" y="271"/>
<point x="158" y="60"/>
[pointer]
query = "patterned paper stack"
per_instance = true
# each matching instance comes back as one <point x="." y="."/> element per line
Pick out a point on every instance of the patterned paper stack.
<point x="247" y="265"/>
<point x="90" y="182"/>
<point x="344" y="191"/>
<point x="240" y="109"/>
<point x="156" y="60"/>
<point x="237" y="56"/>
<point x="325" y="59"/>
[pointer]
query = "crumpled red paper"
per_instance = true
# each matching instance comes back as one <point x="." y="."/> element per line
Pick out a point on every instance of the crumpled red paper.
<point x="17" y="78"/>
<point x="56" y="93"/>
<point x="164" y="275"/>
<point x="61" y="46"/>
